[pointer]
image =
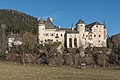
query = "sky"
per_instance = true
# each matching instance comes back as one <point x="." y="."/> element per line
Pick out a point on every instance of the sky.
<point x="66" y="12"/>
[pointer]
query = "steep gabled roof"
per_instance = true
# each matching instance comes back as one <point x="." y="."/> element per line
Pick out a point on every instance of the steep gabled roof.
<point x="89" y="26"/>
<point x="80" y="22"/>
<point x="49" y="24"/>
<point x="41" y="21"/>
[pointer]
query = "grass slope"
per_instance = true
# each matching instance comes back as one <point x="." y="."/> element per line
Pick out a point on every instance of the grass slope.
<point x="19" y="72"/>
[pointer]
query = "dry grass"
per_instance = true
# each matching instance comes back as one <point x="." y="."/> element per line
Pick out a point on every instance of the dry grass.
<point x="19" y="72"/>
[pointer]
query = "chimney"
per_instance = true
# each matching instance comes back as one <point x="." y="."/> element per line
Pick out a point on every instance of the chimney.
<point x="72" y="27"/>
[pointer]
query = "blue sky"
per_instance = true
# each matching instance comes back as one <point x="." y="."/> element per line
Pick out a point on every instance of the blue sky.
<point x="66" y="12"/>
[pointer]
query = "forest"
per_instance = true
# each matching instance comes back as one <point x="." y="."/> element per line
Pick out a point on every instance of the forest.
<point x="17" y="21"/>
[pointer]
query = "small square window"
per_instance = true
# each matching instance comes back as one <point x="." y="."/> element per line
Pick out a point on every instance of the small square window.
<point x="94" y="35"/>
<point x="95" y="30"/>
<point x="46" y="34"/>
<point x="52" y="34"/>
<point x="83" y="35"/>
<point x="99" y="35"/>
<point x="99" y="41"/>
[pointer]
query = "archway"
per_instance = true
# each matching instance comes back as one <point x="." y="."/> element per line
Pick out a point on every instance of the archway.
<point x="70" y="42"/>
<point x="75" y="42"/>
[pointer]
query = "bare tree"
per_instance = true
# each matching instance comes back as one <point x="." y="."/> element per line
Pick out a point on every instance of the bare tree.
<point x="28" y="46"/>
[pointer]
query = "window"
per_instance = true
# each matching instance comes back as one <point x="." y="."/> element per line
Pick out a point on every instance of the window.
<point x="52" y="34"/>
<point x="75" y="42"/>
<point x="86" y="35"/>
<point x="50" y="40"/>
<point x="83" y="35"/>
<point x="99" y="35"/>
<point x="99" y="30"/>
<point x="96" y="26"/>
<point x="95" y="30"/>
<point x="99" y="41"/>
<point x="61" y="34"/>
<point x="45" y="40"/>
<point x="57" y="35"/>
<point x="46" y="34"/>
<point x="70" y="42"/>
<point x="94" y="35"/>
<point x="104" y="34"/>
<point x="80" y="25"/>
<point x="90" y="39"/>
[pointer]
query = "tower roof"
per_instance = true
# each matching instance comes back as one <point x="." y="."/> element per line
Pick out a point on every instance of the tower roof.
<point x="41" y="21"/>
<point x="49" y="19"/>
<point x="80" y="22"/>
<point x="49" y="24"/>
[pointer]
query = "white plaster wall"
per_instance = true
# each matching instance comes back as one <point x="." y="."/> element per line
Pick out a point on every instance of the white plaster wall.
<point x="41" y="30"/>
<point x="73" y="36"/>
<point x="99" y="31"/>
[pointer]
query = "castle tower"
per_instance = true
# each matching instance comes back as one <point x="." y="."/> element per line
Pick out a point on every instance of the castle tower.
<point x="41" y="30"/>
<point x="80" y="26"/>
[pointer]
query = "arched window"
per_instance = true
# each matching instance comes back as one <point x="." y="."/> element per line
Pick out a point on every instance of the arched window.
<point x="75" y="42"/>
<point x="70" y="42"/>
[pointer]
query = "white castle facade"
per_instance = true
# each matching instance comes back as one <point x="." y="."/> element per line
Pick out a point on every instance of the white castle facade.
<point x="93" y="34"/>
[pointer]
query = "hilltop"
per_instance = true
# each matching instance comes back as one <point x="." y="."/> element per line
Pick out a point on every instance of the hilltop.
<point x="17" y="21"/>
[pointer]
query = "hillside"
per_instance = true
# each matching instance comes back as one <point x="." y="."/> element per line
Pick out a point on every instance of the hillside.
<point x="17" y="21"/>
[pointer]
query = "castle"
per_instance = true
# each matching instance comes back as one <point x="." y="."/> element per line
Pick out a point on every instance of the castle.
<point x="93" y="34"/>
